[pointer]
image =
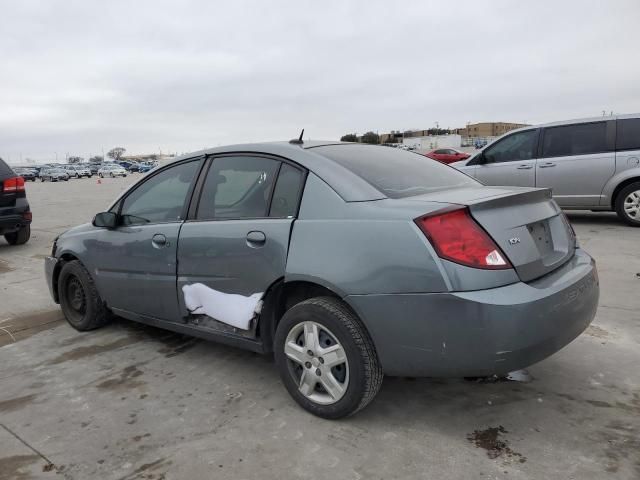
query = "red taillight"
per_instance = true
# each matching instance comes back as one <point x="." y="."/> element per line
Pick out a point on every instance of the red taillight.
<point x="13" y="185"/>
<point x="457" y="237"/>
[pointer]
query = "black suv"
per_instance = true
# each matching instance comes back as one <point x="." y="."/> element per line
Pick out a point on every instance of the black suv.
<point x="15" y="214"/>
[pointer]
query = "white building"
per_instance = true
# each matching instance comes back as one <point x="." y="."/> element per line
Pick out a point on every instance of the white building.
<point x="434" y="141"/>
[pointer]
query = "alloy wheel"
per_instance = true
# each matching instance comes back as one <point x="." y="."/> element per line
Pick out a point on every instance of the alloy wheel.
<point x="632" y="205"/>
<point x="317" y="362"/>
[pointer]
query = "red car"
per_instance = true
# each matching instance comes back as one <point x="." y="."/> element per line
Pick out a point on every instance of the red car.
<point x="447" y="155"/>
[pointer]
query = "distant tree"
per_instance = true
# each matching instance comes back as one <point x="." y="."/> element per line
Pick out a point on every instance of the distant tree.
<point x="116" y="153"/>
<point x="96" y="159"/>
<point x="371" y="137"/>
<point x="349" y="137"/>
<point x="75" y="159"/>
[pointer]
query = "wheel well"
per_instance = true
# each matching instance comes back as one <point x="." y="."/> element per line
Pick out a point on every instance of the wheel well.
<point x="64" y="258"/>
<point x="281" y="297"/>
<point x="622" y="185"/>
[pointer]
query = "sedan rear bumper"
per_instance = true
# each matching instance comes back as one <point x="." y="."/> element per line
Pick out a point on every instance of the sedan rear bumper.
<point x="482" y="332"/>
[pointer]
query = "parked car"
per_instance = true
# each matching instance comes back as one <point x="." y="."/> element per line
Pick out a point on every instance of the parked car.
<point x="128" y="165"/>
<point x="447" y="155"/>
<point x="590" y="164"/>
<point x="53" y="174"/>
<point x="112" y="170"/>
<point x="15" y="214"/>
<point x="26" y="173"/>
<point x="347" y="261"/>
<point x="145" y="167"/>
<point x="94" y="167"/>
<point x="78" y="171"/>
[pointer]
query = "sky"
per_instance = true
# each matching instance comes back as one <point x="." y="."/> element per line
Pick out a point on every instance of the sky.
<point x="80" y="77"/>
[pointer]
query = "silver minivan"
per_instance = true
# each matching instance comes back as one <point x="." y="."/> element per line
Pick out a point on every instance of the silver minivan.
<point x="589" y="164"/>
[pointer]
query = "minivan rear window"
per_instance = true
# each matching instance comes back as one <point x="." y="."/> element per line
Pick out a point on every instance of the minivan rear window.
<point x="628" y="134"/>
<point x="394" y="172"/>
<point x="578" y="139"/>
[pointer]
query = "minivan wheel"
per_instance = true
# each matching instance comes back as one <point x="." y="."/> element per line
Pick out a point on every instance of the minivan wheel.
<point x="326" y="358"/>
<point x="628" y="204"/>
<point x="79" y="299"/>
<point x="20" y="237"/>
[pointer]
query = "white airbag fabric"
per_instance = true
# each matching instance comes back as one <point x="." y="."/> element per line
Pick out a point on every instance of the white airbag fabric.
<point x="229" y="308"/>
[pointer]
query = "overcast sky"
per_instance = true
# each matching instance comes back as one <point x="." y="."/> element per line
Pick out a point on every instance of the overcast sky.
<point x="79" y="76"/>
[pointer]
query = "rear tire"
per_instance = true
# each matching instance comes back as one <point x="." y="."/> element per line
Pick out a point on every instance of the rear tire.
<point x="79" y="299"/>
<point x="628" y="204"/>
<point x="20" y="237"/>
<point x="342" y="358"/>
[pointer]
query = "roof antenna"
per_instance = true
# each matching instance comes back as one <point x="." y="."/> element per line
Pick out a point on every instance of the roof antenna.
<point x="299" y="140"/>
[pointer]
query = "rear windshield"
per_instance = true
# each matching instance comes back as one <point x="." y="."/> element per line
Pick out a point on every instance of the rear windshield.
<point x="395" y="172"/>
<point x="5" y="170"/>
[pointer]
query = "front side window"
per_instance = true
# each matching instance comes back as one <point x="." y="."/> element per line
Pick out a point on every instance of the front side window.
<point x="161" y="198"/>
<point x="579" y="139"/>
<point x="237" y="187"/>
<point x="516" y="147"/>
<point x="628" y="134"/>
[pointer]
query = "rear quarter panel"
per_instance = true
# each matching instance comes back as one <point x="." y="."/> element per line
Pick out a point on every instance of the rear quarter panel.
<point x="360" y="247"/>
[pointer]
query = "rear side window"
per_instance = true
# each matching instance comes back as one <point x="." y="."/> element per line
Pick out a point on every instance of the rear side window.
<point x="287" y="192"/>
<point x="237" y="187"/>
<point x="628" y="134"/>
<point x="395" y="172"/>
<point x="579" y="139"/>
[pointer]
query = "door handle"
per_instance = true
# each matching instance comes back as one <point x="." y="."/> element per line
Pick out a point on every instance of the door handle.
<point x="159" y="241"/>
<point x="547" y="165"/>
<point x="524" y="167"/>
<point x="256" y="238"/>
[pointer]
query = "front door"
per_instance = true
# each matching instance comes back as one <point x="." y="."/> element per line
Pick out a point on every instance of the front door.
<point x="135" y="263"/>
<point x="510" y="161"/>
<point x="237" y="240"/>
<point x="576" y="162"/>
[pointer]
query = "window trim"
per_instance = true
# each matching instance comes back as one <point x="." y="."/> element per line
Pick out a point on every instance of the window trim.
<point x="610" y="137"/>
<point x="188" y="197"/>
<point x="192" y="215"/>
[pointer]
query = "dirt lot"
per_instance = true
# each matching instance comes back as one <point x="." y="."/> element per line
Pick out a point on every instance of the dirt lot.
<point x="134" y="402"/>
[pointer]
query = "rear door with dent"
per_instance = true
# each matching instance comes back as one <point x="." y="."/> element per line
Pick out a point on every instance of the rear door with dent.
<point x="236" y="239"/>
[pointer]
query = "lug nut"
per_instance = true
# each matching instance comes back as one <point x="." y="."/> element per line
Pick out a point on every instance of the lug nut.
<point x="318" y="372"/>
<point x="321" y="359"/>
<point x="310" y="353"/>
<point x="307" y="364"/>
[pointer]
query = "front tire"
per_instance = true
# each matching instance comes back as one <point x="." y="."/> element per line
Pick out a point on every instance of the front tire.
<point x="20" y="237"/>
<point x="326" y="359"/>
<point x="79" y="299"/>
<point x="628" y="204"/>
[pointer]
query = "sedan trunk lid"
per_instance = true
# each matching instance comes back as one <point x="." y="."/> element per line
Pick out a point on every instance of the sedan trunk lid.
<point x="525" y="223"/>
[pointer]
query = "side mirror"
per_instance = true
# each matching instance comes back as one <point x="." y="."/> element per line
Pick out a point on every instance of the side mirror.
<point x="105" y="220"/>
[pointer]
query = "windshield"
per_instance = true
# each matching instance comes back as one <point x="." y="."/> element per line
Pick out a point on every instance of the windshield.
<point x="395" y="172"/>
